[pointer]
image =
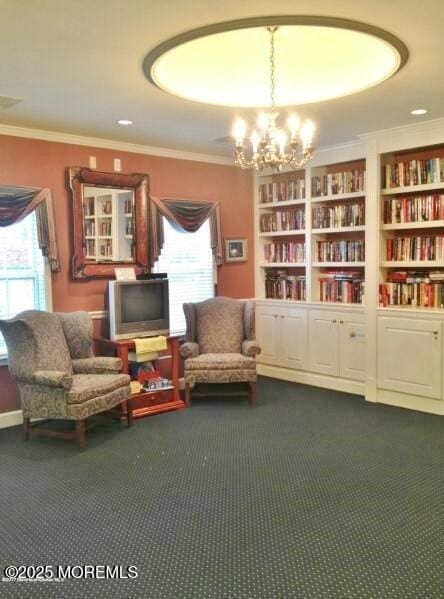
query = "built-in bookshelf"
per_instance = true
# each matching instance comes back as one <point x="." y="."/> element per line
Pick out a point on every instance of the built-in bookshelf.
<point x="337" y="233"/>
<point x="412" y="229"/>
<point x="330" y="222"/>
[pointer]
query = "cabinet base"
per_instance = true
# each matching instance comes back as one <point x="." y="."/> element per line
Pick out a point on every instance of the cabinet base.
<point x="312" y="378"/>
<point x="411" y="402"/>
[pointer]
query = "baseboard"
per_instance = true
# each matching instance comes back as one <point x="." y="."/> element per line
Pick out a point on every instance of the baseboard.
<point x="311" y="378"/>
<point x="411" y="402"/>
<point x="11" y="418"/>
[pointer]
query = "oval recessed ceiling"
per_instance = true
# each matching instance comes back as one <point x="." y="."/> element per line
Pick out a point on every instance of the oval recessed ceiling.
<point x="317" y="59"/>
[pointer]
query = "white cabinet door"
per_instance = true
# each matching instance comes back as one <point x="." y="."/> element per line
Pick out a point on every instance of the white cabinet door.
<point x="267" y="331"/>
<point x="294" y="338"/>
<point x="324" y="342"/>
<point x="410" y="356"/>
<point x="352" y="347"/>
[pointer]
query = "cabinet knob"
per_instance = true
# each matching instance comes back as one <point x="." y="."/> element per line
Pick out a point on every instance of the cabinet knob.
<point x="435" y="332"/>
<point x="282" y="316"/>
<point x="276" y="315"/>
<point x="341" y="322"/>
<point x="334" y="321"/>
<point x="352" y="334"/>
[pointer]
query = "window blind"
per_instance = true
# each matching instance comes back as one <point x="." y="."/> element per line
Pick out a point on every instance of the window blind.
<point x="188" y="260"/>
<point x="22" y="271"/>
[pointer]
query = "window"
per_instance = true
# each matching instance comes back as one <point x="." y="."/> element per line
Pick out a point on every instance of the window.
<point x="188" y="260"/>
<point x="22" y="271"/>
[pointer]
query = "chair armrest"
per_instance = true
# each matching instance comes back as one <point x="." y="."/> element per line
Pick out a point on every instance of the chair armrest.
<point x="96" y="365"/>
<point x="51" y="378"/>
<point x="250" y="348"/>
<point x="189" y="349"/>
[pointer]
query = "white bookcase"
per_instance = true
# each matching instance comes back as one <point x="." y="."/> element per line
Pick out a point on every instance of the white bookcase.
<point x="363" y="345"/>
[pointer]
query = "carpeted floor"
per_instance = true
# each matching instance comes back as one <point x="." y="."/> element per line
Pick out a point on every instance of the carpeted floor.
<point x="313" y="494"/>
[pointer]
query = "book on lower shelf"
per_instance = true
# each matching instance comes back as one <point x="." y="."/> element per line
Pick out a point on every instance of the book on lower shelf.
<point x="339" y="215"/>
<point x="284" y="286"/>
<point x="341" y="286"/>
<point x="284" y="251"/>
<point x="415" y="247"/>
<point x="413" y="288"/>
<point x="344" y="250"/>
<point x="417" y="209"/>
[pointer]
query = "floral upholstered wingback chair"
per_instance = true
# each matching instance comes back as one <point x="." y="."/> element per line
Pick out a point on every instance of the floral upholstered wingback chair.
<point x="50" y="358"/>
<point x="220" y="345"/>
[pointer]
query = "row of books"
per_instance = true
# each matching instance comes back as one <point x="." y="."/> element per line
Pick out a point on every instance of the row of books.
<point x="413" y="172"/>
<point x="90" y="228"/>
<point x="283" y="220"/>
<point x="414" y="209"/>
<point x="420" y="247"/>
<point x="350" y="250"/>
<point x="280" y="251"/>
<point x="414" y="276"/>
<point x="128" y="206"/>
<point x="345" y="287"/>
<point x="90" y="248"/>
<point x="280" y="191"/>
<point x="89" y="206"/>
<point x="104" y="228"/>
<point x="340" y="215"/>
<point x="424" y="295"/>
<point x="335" y="183"/>
<point x="280" y="285"/>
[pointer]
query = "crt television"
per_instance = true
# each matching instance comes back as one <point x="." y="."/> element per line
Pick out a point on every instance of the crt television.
<point x="138" y="308"/>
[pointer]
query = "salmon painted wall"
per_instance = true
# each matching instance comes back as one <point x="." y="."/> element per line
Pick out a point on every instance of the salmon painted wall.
<point x="37" y="163"/>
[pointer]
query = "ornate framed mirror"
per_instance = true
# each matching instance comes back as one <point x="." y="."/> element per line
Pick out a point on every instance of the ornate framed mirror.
<point x="110" y="222"/>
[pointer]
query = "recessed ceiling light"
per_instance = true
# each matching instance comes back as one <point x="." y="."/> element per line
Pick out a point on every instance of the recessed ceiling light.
<point x="125" y="122"/>
<point x="419" y="111"/>
<point x="318" y="58"/>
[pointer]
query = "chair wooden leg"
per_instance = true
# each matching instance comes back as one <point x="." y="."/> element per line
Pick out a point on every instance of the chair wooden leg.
<point x="129" y="413"/>
<point x="187" y="394"/>
<point x="26" y="427"/>
<point x="252" y="393"/>
<point x="81" y="433"/>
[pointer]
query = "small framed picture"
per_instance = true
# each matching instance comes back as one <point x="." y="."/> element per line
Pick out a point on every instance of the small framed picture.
<point x="236" y="250"/>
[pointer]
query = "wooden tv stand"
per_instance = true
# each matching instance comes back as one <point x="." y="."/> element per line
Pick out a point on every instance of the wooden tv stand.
<point x="147" y="403"/>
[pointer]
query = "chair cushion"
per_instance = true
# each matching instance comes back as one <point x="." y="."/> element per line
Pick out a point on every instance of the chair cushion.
<point x="220" y="327"/>
<point x="89" y="386"/>
<point x="231" y="361"/>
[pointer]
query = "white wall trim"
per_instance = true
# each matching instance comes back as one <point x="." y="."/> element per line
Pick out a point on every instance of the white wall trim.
<point x="11" y="418"/>
<point x="109" y="144"/>
<point x="98" y="314"/>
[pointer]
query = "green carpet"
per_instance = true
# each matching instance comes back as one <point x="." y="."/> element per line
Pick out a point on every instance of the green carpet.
<point x="313" y="494"/>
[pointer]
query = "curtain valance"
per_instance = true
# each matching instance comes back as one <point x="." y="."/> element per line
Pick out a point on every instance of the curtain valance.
<point x="17" y="202"/>
<point x="187" y="216"/>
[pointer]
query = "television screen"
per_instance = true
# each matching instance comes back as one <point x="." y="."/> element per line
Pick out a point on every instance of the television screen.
<point x="141" y="303"/>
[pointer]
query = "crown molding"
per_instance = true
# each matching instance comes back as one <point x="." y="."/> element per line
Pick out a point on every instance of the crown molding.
<point x="109" y="144"/>
<point x="424" y="133"/>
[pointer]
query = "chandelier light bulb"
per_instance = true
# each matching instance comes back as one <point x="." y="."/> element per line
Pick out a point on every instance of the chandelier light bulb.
<point x="262" y="123"/>
<point x="255" y="138"/>
<point x="281" y="138"/>
<point x="239" y="130"/>
<point x="307" y="133"/>
<point x="293" y="123"/>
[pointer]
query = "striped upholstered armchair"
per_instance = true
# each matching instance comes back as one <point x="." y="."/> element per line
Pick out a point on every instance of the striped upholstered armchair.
<point x="220" y="345"/>
<point x="58" y="377"/>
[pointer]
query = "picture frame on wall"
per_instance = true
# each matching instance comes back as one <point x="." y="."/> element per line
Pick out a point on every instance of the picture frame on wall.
<point x="236" y="250"/>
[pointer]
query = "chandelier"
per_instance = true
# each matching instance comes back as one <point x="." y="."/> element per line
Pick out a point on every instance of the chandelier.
<point x="270" y="146"/>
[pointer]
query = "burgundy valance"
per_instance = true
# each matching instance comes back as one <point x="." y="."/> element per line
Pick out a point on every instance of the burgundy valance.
<point x="17" y="202"/>
<point x="187" y="216"/>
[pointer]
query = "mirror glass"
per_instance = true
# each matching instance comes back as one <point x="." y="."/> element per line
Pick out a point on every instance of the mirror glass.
<point x="108" y="224"/>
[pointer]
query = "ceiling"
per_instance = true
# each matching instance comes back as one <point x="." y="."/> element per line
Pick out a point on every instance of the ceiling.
<point x="77" y="67"/>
